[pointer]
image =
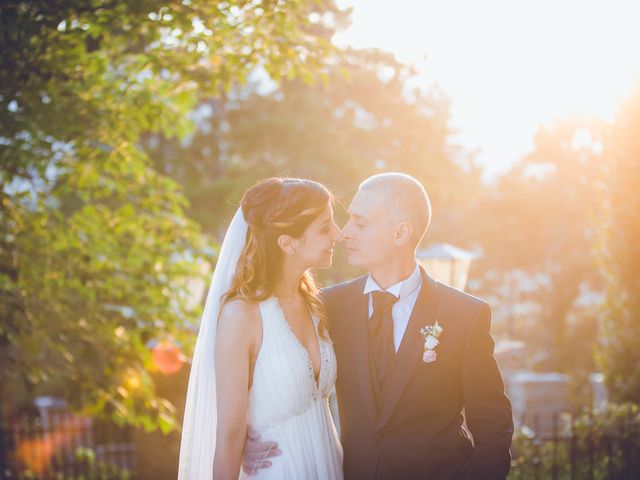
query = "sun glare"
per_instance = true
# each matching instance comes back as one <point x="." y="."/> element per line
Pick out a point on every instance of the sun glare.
<point x="509" y="66"/>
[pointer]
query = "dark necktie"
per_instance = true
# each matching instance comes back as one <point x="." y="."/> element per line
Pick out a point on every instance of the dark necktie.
<point x="381" y="348"/>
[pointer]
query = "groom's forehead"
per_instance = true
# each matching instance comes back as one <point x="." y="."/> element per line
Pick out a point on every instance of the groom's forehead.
<point x="369" y="196"/>
<point x="366" y="205"/>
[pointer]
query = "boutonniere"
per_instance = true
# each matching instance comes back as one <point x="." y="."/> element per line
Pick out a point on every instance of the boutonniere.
<point x="430" y="334"/>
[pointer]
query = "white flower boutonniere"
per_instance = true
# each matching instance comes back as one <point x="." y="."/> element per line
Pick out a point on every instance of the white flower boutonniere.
<point x="430" y="334"/>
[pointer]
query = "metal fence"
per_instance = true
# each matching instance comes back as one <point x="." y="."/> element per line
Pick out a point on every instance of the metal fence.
<point x="592" y="446"/>
<point x="62" y="446"/>
<point x="601" y="445"/>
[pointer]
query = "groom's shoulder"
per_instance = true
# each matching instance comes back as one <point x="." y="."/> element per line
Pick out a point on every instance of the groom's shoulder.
<point x="457" y="298"/>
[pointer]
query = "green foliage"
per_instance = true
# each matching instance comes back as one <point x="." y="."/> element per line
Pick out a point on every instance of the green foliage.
<point x="619" y="355"/>
<point x="598" y="445"/>
<point x="102" y="72"/>
<point x="86" y="467"/>
<point x="96" y="250"/>
<point x="96" y="280"/>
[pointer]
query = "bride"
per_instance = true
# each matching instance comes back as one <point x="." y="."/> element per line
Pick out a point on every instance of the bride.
<point x="263" y="359"/>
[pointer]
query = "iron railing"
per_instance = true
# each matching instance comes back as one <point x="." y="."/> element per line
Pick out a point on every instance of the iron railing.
<point x="62" y="446"/>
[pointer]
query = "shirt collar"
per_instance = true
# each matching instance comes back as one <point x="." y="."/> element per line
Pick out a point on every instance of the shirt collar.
<point x="400" y="289"/>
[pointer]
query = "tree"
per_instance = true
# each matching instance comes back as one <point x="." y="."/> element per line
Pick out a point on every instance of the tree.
<point x="537" y="231"/>
<point x="620" y="239"/>
<point x="96" y="252"/>
<point x="366" y="119"/>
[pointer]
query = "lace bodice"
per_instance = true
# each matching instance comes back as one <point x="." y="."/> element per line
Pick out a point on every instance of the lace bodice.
<point x="284" y="384"/>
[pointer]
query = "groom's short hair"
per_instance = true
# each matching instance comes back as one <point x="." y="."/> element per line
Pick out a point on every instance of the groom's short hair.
<point x="407" y="200"/>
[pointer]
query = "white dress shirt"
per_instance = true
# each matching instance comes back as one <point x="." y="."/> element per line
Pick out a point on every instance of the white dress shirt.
<point x="407" y="292"/>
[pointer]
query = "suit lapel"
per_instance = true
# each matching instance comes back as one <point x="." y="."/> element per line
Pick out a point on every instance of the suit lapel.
<point x="359" y="317"/>
<point x="411" y="348"/>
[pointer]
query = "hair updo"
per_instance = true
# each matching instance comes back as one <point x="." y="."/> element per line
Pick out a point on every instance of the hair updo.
<point x="274" y="207"/>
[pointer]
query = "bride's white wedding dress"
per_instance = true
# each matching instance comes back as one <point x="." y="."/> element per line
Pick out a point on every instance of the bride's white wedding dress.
<point x="286" y="404"/>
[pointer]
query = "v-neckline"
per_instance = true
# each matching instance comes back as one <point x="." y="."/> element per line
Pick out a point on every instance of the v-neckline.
<point x="316" y="378"/>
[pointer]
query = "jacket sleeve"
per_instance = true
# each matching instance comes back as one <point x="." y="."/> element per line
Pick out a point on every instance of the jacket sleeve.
<point x="487" y="408"/>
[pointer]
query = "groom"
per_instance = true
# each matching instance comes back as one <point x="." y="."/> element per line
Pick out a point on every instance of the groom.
<point x="401" y="404"/>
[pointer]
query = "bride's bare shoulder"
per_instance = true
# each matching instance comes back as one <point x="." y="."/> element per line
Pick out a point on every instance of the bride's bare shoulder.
<point x="240" y="307"/>
<point x="240" y="315"/>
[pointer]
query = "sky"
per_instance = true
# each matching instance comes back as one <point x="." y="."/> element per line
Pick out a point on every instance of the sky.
<point x="509" y="66"/>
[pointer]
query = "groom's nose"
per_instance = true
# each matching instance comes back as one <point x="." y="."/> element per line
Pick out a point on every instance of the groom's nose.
<point x="346" y="230"/>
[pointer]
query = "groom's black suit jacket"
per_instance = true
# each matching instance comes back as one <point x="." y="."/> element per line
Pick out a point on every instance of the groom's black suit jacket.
<point x="418" y="432"/>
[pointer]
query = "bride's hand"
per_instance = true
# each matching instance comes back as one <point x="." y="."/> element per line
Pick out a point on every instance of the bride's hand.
<point x="256" y="453"/>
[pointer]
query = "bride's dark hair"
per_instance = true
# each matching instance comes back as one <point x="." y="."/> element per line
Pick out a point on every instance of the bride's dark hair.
<point x="274" y="207"/>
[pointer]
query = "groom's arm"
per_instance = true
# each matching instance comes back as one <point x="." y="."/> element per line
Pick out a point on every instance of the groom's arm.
<point x="487" y="408"/>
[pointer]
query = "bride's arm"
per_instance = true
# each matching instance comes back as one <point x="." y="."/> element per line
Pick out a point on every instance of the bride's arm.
<point x="238" y="337"/>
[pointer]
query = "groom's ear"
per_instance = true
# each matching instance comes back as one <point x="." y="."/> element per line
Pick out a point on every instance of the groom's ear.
<point x="402" y="233"/>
